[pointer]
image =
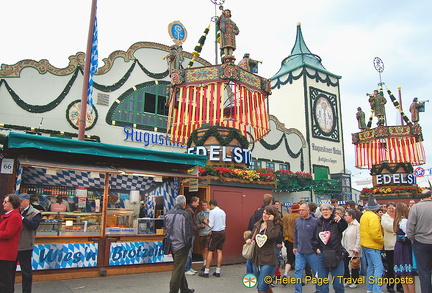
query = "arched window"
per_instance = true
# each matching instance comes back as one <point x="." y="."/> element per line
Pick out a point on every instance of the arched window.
<point x="144" y="105"/>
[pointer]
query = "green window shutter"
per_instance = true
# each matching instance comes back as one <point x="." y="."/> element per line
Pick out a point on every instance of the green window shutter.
<point x="320" y="173"/>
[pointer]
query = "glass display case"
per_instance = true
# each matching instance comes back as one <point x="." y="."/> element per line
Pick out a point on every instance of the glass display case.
<point x="70" y="224"/>
<point x="151" y="226"/>
<point x="121" y="222"/>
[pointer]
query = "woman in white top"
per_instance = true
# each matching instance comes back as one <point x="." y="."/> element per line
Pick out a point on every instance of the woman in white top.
<point x="351" y="242"/>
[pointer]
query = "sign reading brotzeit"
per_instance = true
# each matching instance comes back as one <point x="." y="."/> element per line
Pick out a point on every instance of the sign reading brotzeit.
<point x="216" y="153"/>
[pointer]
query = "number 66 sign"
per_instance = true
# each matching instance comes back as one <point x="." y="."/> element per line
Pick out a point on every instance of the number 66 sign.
<point x="7" y="166"/>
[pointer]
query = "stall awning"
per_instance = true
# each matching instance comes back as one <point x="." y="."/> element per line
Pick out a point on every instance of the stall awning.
<point x="30" y="162"/>
<point x="15" y="140"/>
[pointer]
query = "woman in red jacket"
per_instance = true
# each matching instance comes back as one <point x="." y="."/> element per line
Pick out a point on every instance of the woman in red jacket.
<point x="10" y="232"/>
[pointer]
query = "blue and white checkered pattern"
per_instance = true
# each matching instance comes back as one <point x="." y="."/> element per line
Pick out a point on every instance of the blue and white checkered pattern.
<point x="93" y="64"/>
<point x="63" y="256"/>
<point x="18" y="177"/>
<point x="71" y="178"/>
<point x="131" y="253"/>
<point x="130" y="182"/>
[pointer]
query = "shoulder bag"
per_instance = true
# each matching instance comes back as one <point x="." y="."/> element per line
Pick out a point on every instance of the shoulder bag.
<point x="248" y="249"/>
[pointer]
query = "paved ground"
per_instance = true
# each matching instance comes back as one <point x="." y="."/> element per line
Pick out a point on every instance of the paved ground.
<point x="230" y="281"/>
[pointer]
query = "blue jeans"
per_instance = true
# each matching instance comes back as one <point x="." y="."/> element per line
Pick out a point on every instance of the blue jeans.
<point x="264" y="271"/>
<point x="363" y="265"/>
<point x="300" y="263"/>
<point x="249" y="266"/>
<point x="189" y="259"/>
<point x="337" y="276"/>
<point x="375" y="269"/>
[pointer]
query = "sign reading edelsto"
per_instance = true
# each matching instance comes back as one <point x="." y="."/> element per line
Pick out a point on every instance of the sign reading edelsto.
<point x="398" y="178"/>
<point x="217" y="153"/>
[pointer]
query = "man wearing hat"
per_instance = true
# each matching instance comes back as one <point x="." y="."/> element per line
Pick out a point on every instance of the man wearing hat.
<point x="288" y="224"/>
<point x="372" y="242"/>
<point x="31" y="218"/>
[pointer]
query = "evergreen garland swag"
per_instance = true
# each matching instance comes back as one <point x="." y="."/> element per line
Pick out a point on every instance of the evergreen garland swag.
<point x="214" y="131"/>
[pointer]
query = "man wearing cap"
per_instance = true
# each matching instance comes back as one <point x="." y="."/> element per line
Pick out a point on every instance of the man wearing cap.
<point x="372" y="242"/>
<point x="31" y="219"/>
<point x="288" y="224"/>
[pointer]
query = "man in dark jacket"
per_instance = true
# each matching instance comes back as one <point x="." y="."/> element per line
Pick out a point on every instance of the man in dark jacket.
<point x="304" y="251"/>
<point x="31" y="219"/>
<point x="268" y="200"/>
<point x="191" y="209"/>
<point x="178" y="223"/>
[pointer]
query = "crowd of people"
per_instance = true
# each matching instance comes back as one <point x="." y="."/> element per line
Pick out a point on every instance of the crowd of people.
<point x="379" y="246"/>
<point x="17" y="235"/>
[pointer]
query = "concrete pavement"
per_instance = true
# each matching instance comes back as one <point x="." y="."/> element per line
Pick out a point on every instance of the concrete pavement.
<point x="230" y="281"/>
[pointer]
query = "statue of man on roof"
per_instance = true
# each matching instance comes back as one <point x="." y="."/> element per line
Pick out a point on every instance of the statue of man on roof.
<point x="228" y="30"/>
<point x="415" y="109"/>
<point x="361" y="119"/>
<point x="249" y="64"/>
<point x="174" y="58"/>
<point x="377" y="103"/>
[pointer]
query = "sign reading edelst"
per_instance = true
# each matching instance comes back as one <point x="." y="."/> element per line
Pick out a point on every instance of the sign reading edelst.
<point x="393" y="179"/>
<point x="222" y="154"/>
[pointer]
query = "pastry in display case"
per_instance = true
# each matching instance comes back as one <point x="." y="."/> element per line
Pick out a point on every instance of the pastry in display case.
<point x="70" y="224"/>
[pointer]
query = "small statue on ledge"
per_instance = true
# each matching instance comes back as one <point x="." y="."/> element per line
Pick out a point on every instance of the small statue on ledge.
<point x="174" y="58"/>
<point x="415" y="108"/>
<point x="249" y="64"/>
<point x="361" y="122"/>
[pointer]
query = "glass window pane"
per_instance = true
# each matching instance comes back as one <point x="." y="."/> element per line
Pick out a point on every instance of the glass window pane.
<point x="150" y="103"/>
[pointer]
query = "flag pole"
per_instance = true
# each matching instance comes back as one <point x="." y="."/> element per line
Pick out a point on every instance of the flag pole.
<point x="83" y="112"/>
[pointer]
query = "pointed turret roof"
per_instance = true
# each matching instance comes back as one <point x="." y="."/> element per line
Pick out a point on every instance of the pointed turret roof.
<point x="301" y="56"/>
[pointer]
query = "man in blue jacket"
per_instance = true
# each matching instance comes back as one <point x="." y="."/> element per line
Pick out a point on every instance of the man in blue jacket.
<point x="304" y="236"/>
<point x="178" y="224"/>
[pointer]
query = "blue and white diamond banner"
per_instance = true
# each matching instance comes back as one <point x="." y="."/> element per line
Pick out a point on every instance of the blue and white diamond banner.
<point x="64" y="256"/>
<point x="132" y="253"/>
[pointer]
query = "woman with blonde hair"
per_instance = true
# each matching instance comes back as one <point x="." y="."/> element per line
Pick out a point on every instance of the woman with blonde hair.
<point x="403" y="257"/>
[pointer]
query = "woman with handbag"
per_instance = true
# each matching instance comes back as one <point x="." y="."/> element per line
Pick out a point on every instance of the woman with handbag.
<point x="266" y="233"/>
<point x="403" y="256"/>
<point x="351" y="243"/>
<point x="330" y="252"/>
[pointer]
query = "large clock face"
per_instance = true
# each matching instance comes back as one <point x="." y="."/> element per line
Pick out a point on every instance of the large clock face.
<point x="324" y="115"/>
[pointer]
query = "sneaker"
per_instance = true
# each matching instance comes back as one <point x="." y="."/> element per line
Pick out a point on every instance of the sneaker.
<point x="283" y="283"/>
<point x="204" y="275"/>
<point x="193" y="271"/>
<point x="352" y="286"/>
<point x="203" y="268"/>
<point x="189" y="273"/>
<point x="346" y="285"/>
<point x="216" y="274"/>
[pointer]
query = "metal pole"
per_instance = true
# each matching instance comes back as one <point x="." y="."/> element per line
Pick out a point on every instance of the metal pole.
<point x="216" y="42"/>
<point x="83" y="112"/>
<point x="400" y="103"/>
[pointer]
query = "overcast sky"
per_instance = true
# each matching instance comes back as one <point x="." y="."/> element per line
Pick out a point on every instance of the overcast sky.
<point x="346" y="34"/>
